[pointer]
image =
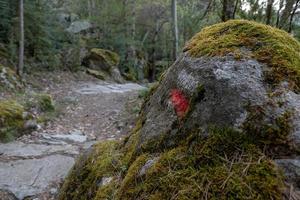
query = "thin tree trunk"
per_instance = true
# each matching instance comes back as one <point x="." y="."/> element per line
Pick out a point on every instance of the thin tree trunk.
<point x="269" y="11"/>
<point x="235" y="8"/>
<point x="21" y="39"/>
<point x="90" y="11"/>
<point x="293" y="15"/>
<point x="152" y="56"/>
<point x="175" y="29"/>
<point x="278" y="13"/>
<point x="228" y="10"/>
<point x="286" y="14"/>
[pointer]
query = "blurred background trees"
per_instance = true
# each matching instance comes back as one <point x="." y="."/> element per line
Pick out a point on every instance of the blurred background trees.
<point x="146" y="34"/>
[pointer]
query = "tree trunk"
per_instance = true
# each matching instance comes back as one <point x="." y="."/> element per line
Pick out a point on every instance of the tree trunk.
<point x="152" y="56"/>
<point x="269" y="11"/>
<point x="90" y="10"/>
<point x="293" y="15"/>
<point x="228" y="11"/>
<point x="21" y="39"/>
<point x="278" y="13"/>
<point x="175" y="29"/>
<point x="286" y="14"/>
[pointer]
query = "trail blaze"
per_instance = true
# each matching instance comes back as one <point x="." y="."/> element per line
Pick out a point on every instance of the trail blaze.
<point x="180" y="102"/>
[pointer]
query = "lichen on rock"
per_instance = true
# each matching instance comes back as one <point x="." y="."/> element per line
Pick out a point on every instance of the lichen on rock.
<point x="221" y="113"/>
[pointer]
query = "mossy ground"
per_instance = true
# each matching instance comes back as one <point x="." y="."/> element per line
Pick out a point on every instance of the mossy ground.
<point x="11" y="120"/>
<point x="271" y="46"/>
<point x="15" y="112"/>
<point x="226" y="165"/>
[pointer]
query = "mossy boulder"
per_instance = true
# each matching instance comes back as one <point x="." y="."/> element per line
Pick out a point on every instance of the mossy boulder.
<point x="104" y="61"/>
<point x="9" y="80"/>
<point x="12" y="120"/>
<point x="212" y="127"/>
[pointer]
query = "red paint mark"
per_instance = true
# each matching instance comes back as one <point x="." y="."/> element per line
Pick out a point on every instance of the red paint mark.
<point x="180" y="102"/>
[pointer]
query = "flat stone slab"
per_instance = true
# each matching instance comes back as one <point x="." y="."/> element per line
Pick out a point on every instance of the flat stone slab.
<point x="67" y="138"/>
<point x="19" y="149"/>
<point x="30" y="177"/>
<point x="93" y="88"/>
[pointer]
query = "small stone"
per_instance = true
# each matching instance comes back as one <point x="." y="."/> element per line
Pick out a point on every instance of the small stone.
<point x="147" y="166"/>
<point x="53" y="191"/>
<point x="105" y="181"/>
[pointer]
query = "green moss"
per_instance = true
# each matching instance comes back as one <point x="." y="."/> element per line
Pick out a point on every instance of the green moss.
<point x="82" y="182"/>
<point x="11" y="120"/>
<point x="45" y="102"/>
<point x="226" y="165"/>
<point x="272" y="133"/>
<point x="97" y="74"/>
<point x="110" y="57"/>
<point x="128" y="189"/>
<point x="274" y="47"/>
<point x="223" y="166"/>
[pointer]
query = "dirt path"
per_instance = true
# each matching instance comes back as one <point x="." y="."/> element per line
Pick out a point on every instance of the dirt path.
<point x="34" y="165"/>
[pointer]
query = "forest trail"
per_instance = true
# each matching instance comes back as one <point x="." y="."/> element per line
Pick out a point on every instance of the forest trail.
<point x="34" y="165"/>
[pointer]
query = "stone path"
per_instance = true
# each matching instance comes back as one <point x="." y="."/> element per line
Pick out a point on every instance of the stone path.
<point x="34" y="166"/>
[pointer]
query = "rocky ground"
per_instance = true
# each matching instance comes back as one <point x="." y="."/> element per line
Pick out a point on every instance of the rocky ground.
<point x="34" y="166"/>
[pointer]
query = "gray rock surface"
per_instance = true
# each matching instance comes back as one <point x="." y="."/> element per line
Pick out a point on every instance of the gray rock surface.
<point x="230" y="88"/>
<point x="30" y="177"/>
<point x="91" y="88"/>
<point x="20" y="149"/>
<point x="291" y="169"/>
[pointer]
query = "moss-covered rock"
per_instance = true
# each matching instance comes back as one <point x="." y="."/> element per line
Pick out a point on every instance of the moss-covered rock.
<point x="108" y="58"/>
<point x="97" y="74"/>
<point x="12" y="120"/>
<point x="210" y="129"/>
<point x="105" y="62"/>
<point x="9" y="80"/>
<point x="268" y="45"/>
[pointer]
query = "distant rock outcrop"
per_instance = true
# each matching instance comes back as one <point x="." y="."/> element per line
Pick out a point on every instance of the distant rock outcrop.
<point x="105" y="62"/>
<point x="79" y="26"/>
<point x="211" y="128"/>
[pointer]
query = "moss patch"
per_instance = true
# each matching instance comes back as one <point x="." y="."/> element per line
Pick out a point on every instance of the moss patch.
<point x="109" y="57"/>
<point x="274" y="47"/>
<point x="45" y="102"/>
<point x="83" y="181"/>
<point x="11" y="120"/>
<point x="226" y="165"/>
